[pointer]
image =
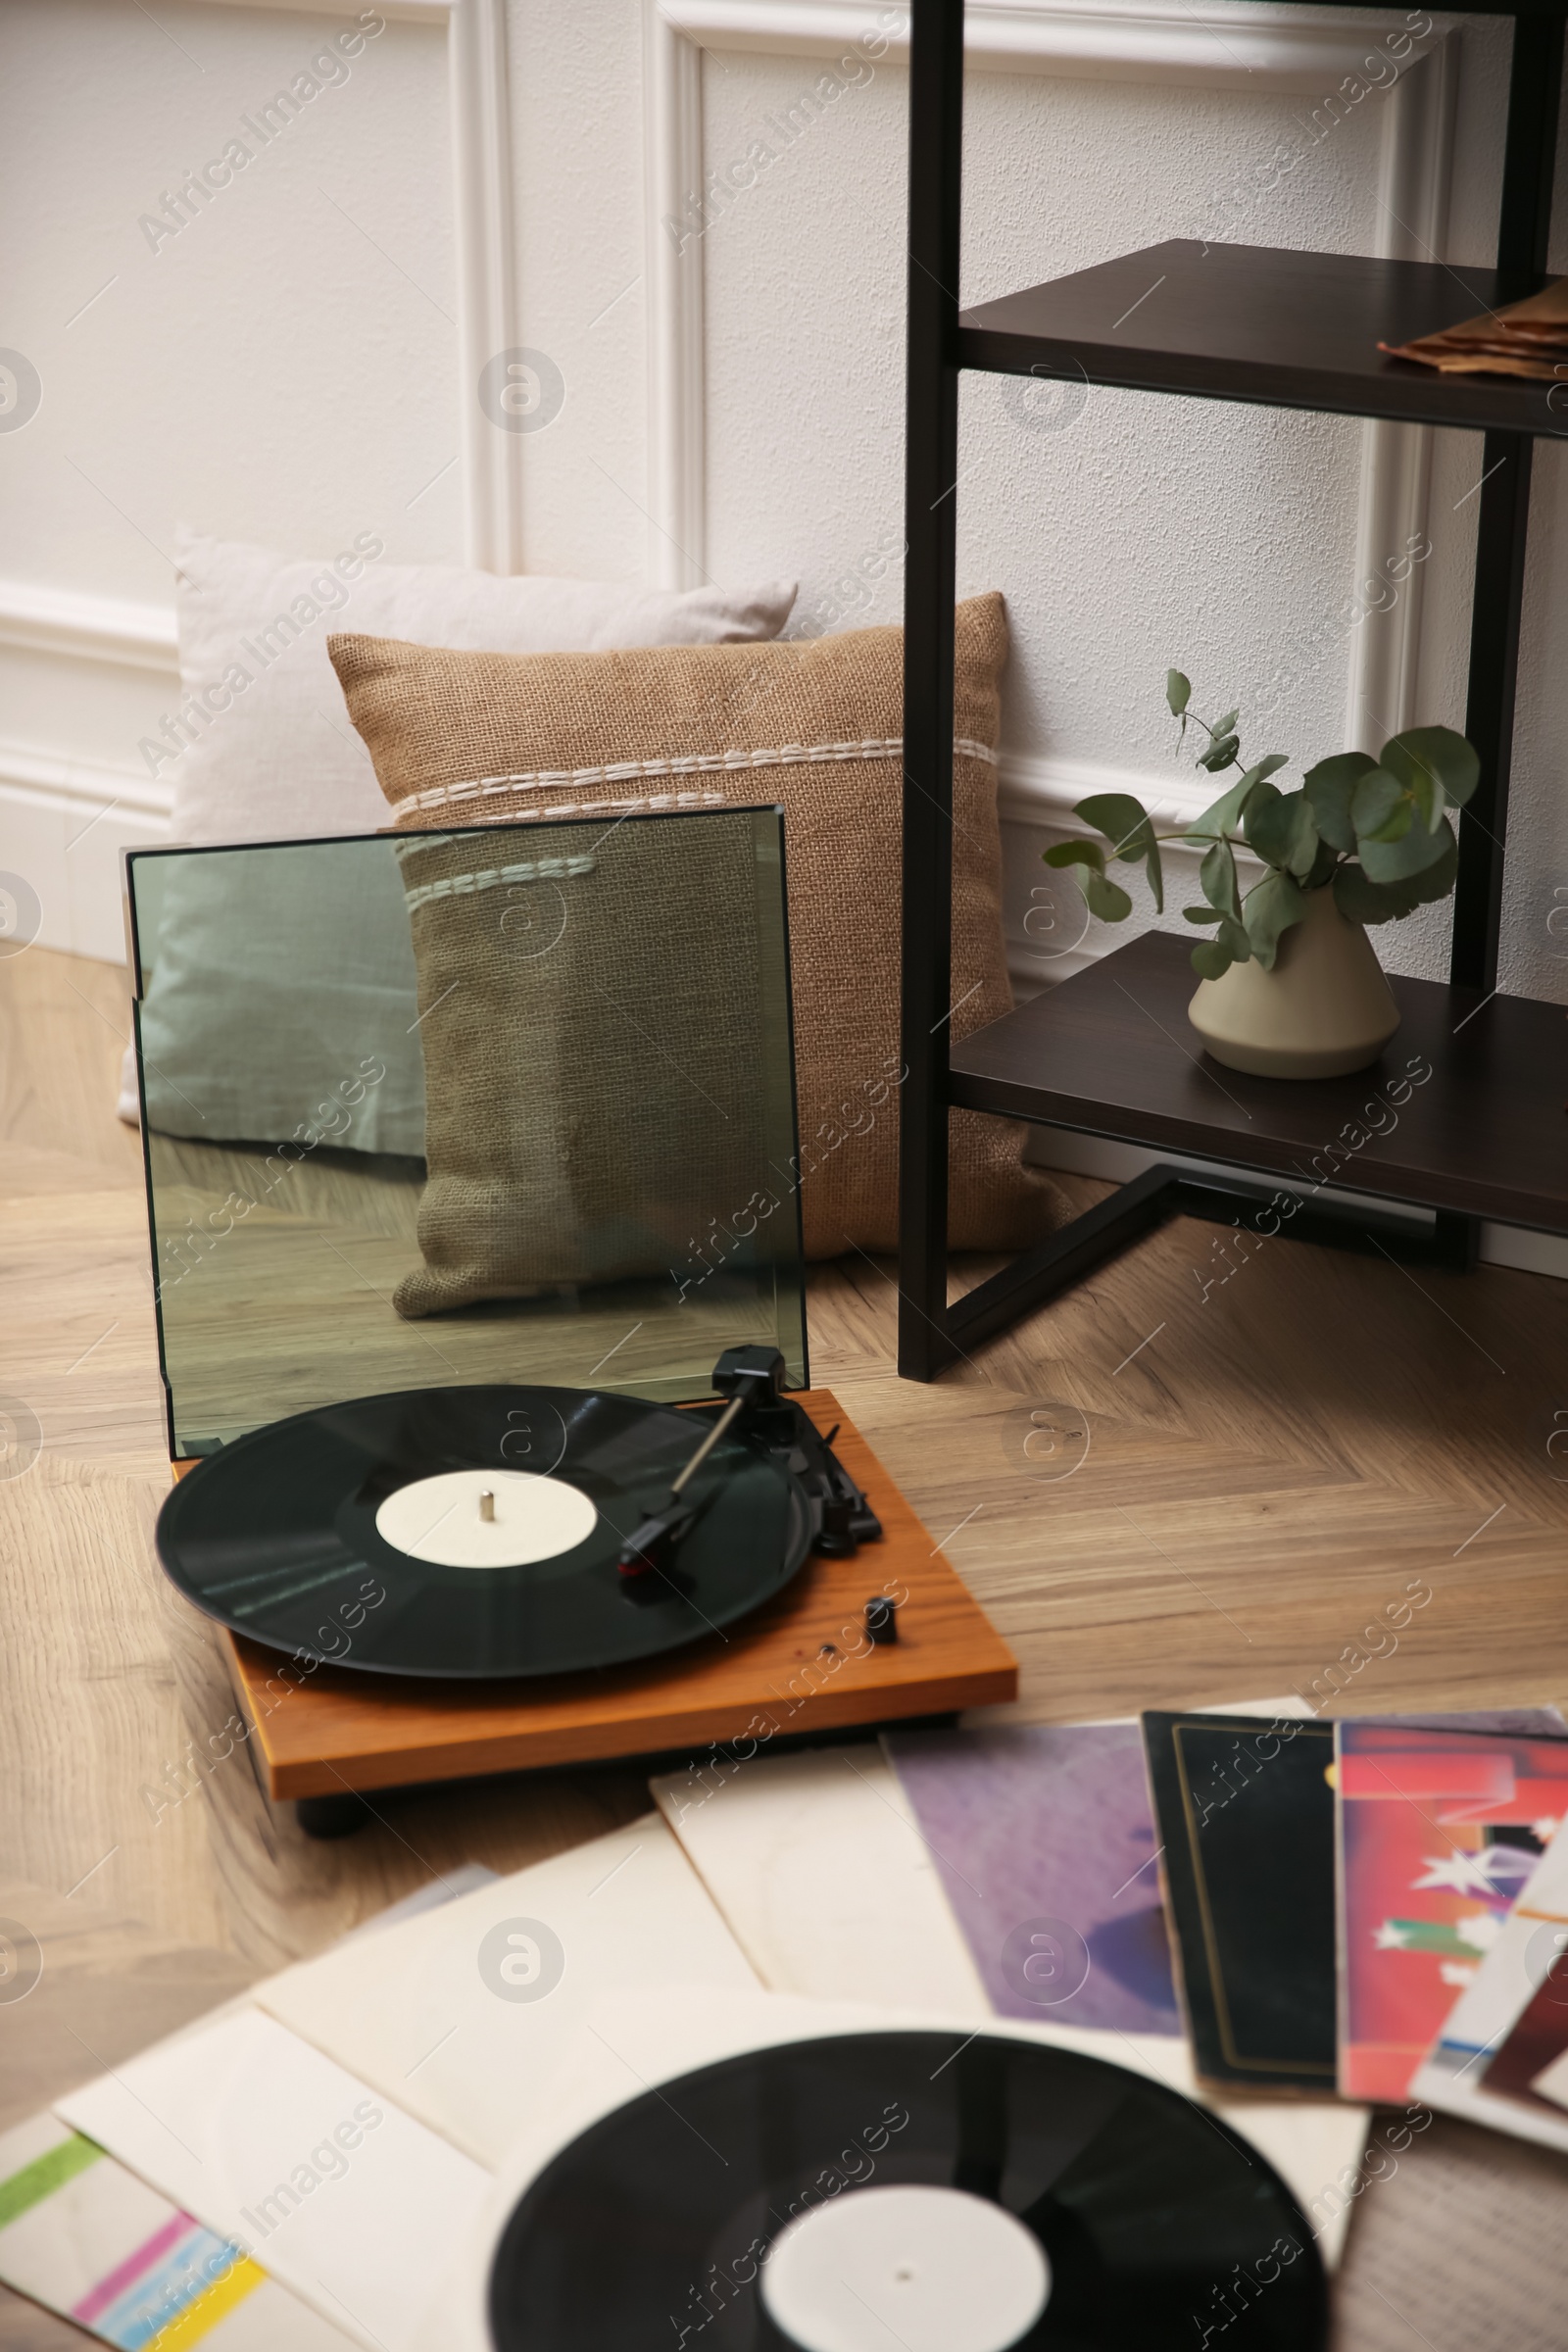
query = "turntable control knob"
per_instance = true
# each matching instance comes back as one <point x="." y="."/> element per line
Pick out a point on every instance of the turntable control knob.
<point x="487" y="1503"/>
<point x="882" y="1618"/>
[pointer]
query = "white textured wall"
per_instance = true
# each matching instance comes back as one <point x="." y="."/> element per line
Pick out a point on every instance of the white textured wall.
<point x="291" y="371"/>
<point x="281" y="368"/>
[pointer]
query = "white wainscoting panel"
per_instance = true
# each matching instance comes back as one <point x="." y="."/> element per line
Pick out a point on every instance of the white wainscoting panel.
<point x="85" y="672"/>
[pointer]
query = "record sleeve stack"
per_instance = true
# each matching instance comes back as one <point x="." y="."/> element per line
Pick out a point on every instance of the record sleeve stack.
<point x="852" y="2040"/>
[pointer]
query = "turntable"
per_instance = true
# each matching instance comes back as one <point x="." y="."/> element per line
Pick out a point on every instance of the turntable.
<point x="473" y="1180"/>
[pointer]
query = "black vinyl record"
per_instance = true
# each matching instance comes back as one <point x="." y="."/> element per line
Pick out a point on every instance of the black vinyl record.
<point x="1060" y="2205"/>
<point x="277" y="1535"/>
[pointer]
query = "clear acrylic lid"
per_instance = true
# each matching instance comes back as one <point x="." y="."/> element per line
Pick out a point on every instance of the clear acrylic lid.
<point x="511" y="1104"/>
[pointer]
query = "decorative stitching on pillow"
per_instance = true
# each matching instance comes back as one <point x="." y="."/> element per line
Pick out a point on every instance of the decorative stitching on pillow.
<point x="787" y="755"/>
<point x="491" y="877"/>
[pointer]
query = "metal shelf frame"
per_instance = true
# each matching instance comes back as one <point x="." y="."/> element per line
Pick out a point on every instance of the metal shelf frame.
<point x="931" y="1334"/>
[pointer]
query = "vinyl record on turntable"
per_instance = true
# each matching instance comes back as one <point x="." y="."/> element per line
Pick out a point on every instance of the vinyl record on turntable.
<point x="908" y="2188"/>
<point x="475" y="1532"/>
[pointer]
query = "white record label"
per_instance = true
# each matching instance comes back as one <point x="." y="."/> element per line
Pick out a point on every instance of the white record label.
<point x="486" y="1518"/>
<point x="935" y="2270"/>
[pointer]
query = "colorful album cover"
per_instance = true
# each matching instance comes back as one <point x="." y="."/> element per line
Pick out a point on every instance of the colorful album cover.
<point x="88" y="2239"/>
<point x="1530" y="2064"/>
<point x="1045" y="1846"/>
<point x="1245" y="1813"/>
<point x="1438" y="1834"/>
<point x="1506" y="2012"/>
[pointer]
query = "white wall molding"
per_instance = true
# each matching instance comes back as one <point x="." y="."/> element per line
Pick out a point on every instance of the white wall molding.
<point x="672" y="171"/>
<point x="1208" y="42"/>
<point x="84" y="788"/>
<point x="65" y="817"/>
<point x="1212" y="43"/>
<point x="63" y="823"/>
<point x="1414" y="177"/>
<point x="36" y="619"/>
<point x="1109" y="39"/>
<point x="396" y="11"/>
<point x="1041" y="791"/>
<point x="483" y="225"/>
<point x="481" y="155"/>
<point x="80" y="626"/>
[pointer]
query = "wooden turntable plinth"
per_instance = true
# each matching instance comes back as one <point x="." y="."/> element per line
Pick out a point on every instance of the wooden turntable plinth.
<point x="803" y="1663"/>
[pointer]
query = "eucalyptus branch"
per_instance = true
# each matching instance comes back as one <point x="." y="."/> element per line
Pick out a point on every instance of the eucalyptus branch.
<point x="1374" y="831"/>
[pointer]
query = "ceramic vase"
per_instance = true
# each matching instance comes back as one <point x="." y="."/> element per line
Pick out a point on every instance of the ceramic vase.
<point x="1324" y="1010"/>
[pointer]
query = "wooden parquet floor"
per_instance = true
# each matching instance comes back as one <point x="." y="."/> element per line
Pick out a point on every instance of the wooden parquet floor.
<point x="1163" y="1495"/>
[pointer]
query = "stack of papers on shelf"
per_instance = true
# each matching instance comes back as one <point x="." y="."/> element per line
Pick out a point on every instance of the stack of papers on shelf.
<point x="1528" y="338"/>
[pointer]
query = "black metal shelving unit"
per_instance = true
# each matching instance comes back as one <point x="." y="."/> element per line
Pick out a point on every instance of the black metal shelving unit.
<point x="1486" y="1136"/>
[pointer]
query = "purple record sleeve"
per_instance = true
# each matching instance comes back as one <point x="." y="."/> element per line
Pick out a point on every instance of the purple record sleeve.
<point x="1045" y="1843"/>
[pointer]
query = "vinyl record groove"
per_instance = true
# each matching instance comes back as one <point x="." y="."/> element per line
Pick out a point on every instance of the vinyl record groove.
<point x="475" y="1532"/>
<point x="886" y="2189"/>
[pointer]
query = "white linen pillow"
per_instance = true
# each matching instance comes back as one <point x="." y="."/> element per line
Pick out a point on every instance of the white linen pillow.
<point x="269" y="748"/>
<point x="261" y="746"/>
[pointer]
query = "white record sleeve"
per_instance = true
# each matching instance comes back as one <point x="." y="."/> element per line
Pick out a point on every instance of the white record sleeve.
<point x="459" y="2013"/>
<point x="816" y="1863"/>
<point x="339" y="2195"/>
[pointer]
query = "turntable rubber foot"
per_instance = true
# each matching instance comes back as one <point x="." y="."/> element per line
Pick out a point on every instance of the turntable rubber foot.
<point x="331" y="1816"/>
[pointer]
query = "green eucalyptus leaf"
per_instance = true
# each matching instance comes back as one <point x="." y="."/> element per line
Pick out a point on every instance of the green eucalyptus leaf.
<point x="1122" y="820"/>
<point x="1277" y="901"/>
<point x="1106" y="899"/>
<point x="1435" y="881"/>
<point x="1378" y="800"/>
<point x="1076" y="853"/>
<point x="1177" y="692"/>
<point x="1225" y="725"/>
<point x="1263" y="796"/>
<point x="1233" y="938"/>
<point x="1218" y="878"/>
<point x="1361" y="900"/>
<point x="1203" y="914"/>
<point x="1126" y="824"/>
<point x="1281" y="829"/>
<point x="1417" y="849"/>
<point x="1322" y="868"/>
<point x="1426" y="794"/>
<point x="1301" y="841"/>
<point x="1218" y="818"/>
<point x="1222" y="753"/>
<point x="1211" y="961"/>
<point x="1329" y="787"/>
<point x="1434" y="756"/>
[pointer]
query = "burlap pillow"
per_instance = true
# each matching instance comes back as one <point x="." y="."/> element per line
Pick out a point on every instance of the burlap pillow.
<point x="817" y="724"/>
<point x="592" y="979"/>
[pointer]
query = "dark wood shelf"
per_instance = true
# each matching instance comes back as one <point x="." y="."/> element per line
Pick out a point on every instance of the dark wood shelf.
<point x="1111" y="1052"/>
<point x="1252" y="323"/>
